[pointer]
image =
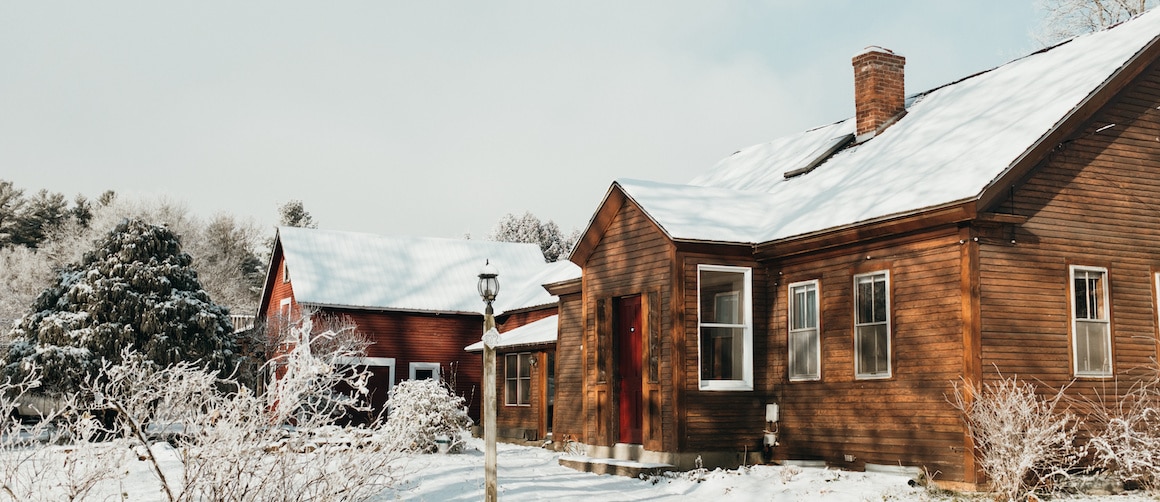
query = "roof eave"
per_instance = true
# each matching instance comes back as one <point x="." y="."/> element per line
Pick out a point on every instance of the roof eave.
<point x="1075" y="120"/>
<point x="886" y="226"/>
<point x="602" y="218"/>
<point x="388" y="309"/>
<point x="267" y="285"/>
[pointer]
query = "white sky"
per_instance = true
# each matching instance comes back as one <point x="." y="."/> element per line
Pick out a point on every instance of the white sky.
<point x="435" y="118"/>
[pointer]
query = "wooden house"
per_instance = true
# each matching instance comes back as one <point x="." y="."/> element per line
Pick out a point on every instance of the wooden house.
<point x="824" y="291"/>
<point x="525" y="379"/>
<point x="416" y="299"/>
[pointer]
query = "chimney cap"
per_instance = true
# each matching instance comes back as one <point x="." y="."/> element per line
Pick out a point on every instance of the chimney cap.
<point x="874" y="49"/>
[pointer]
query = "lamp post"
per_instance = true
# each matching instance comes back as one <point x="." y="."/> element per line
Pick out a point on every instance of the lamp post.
<point x="488" y="289"/>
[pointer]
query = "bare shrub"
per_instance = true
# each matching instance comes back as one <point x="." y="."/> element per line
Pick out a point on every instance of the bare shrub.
<point x="1125" y="434"/>
<point x="237" y="445"/>
<point x="63" y="452"/>
<point x="1022" y="441"/>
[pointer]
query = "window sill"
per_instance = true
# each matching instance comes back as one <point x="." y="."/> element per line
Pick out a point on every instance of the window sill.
<point x="887" y="376"/>
<point x="805" y="379"/>
<point x="726" y="385"/>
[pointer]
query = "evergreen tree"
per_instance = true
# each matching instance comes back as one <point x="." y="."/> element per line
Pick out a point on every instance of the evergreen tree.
<point x="135" y="289"/>
<point x="45" y="212"/>
<point x="11" y="204"/>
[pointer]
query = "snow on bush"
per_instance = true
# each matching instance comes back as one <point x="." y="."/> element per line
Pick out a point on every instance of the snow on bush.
<point x="203" y="437"/>
<point x="237" y="445"/>
<point x="63" y="455"/>
<point x="1021" y="441"/>
<point x="425" y="410"/>
<point x="1126" y="433"/>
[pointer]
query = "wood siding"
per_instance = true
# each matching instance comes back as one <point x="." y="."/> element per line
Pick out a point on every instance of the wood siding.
<point x="723" y="420"/>
<point x="633" y="257"/>
<point x="1092" y="202"/>
<point x="904" y="419"/>
<point x="411" y="337"/>
<point x="569" y="414"/>
<point x="525" y="419"/>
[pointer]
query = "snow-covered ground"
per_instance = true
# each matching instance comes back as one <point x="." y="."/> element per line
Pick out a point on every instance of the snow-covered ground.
<point x="529" y="473"/>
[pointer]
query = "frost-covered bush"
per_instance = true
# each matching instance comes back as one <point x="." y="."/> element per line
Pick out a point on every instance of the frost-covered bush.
<point x="422" y="411"/>
<point x="63" y="455"/>
<point x="1125" y="434"/>
<point x="1022" y="441"/>
<point x="236" y="445"/>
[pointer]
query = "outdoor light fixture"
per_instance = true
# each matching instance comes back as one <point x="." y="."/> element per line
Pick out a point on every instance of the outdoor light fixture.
<point x="488" y="289"/>
<point x="488" y="283"/>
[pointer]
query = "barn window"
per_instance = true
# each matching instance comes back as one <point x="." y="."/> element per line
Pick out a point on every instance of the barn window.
<point x="1091" y="329"/>
<point x="726" y="328"/>
<point x="804" y="346"/>
<point x="518" y="379"/>
<point x="284" y="309"/>
<point x="872" y="325"/>
<point x="424" y="371"/>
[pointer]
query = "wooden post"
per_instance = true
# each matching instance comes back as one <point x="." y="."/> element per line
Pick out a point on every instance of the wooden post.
<point x="489" y="403"/>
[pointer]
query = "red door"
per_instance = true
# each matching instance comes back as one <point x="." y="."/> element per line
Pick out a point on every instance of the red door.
<point x="628" y="365"/>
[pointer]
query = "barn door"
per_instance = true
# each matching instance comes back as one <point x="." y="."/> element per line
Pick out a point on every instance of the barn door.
<point x="628" y="365"/>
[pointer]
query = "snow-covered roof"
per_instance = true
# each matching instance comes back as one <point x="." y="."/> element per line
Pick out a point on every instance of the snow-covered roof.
<point x="953" y="142"/>
<point x="534" y="333"/>
<point x="348" y="269"/>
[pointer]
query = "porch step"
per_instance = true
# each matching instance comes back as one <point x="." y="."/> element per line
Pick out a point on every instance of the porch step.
<point x="615" y="467"/>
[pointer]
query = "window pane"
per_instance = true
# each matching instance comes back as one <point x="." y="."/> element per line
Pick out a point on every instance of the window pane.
<point x="511" y="366"/>
<point x="879" y="298"/>
<point x="422" y="374"/>
<point x="803" y="313"/>
<point x="721" y="297"/>
<point x="1092" y="347"/>
<point x="511" y="391"/>
<point x="525" y="391"/>
<point x="525" y="365"/>
<point x="803" y="354"/>
<point x="865" y="293"/>
<point x="721" y="349"/>
<point x="873" y="350"/>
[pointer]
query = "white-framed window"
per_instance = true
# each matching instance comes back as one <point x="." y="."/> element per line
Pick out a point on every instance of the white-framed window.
<point x="284" y="309"/>
<point x="872" y="325"/>
<point x="805" y="353"/>
<point x="1090" y="324"/>
<point x="285" y="273"/>
<point x="372" y="362"/>
<point x="518" y="379"/>
<point x="725" y="327"/>
<point x="424" y="371"/>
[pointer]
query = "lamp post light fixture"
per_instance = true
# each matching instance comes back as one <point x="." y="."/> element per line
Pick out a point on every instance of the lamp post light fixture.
<point x="488" y="289"/>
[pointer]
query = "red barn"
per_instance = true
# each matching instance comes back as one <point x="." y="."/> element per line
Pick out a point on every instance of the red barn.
<point x="415" y="298"/>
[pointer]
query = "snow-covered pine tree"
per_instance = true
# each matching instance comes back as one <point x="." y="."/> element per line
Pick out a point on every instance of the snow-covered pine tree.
<point x="136" y="288"/>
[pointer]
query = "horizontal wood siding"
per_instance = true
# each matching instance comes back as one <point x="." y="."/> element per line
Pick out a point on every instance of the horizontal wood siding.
<point x="1092" y="202"/>
<point x="569" y="404"/>
<point x="508" y="322"/>
<point x="724" y="420"/>
<point x="413" y="337"/>
<point x="904" y="419"/>
<point x="632" y="257"/>
<point x="519" y="416"/>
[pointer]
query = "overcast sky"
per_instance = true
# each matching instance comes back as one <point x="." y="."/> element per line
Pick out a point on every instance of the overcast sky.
<point x="436" y="118"/>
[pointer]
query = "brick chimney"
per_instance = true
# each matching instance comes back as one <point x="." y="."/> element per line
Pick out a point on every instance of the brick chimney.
<point x="879" y="90"/>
